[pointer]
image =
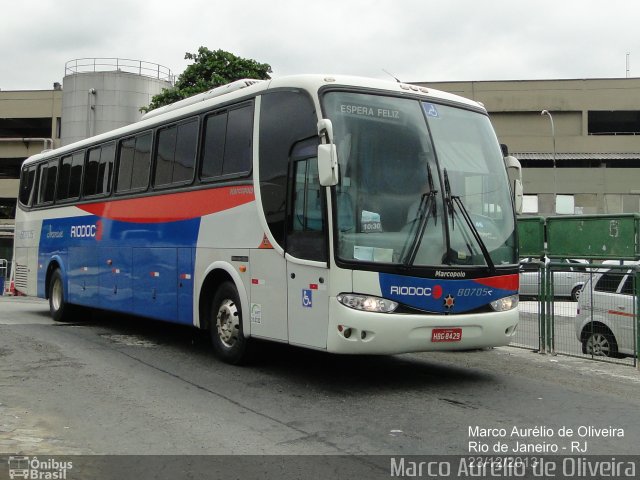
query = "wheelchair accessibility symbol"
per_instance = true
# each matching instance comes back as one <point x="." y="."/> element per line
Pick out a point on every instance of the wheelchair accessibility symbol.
<point x="307" y="298"/>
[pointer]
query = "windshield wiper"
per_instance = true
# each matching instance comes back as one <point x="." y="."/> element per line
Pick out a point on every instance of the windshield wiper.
<point x="452" y="201"/>
<point x="426" y="208"/>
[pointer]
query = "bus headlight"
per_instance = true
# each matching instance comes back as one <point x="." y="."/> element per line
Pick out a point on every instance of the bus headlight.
<point x="367" y="303"/>
<point x="506" y="303"/>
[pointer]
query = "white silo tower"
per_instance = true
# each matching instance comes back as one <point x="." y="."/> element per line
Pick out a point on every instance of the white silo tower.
<point x="101" y="94"/>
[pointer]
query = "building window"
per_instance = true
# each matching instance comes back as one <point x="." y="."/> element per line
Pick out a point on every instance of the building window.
<point x="530" y="204"/>
<point x="25" y="127"/>
<point x="7" y="208"/>
<point x="620" y="122"/>
<point x="10" y="167"/>
<point x="565" y="205"/>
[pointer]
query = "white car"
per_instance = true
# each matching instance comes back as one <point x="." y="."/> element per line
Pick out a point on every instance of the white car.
<point x="567" y="280"/>
<point x="605" y="323"/>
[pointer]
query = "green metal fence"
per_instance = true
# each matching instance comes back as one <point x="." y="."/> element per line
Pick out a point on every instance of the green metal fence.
<point x="586" y="308"/>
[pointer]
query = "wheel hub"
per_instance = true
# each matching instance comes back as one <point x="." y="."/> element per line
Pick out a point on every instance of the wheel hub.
<point x="227" y="323"/>
<point x="598" y="345"/>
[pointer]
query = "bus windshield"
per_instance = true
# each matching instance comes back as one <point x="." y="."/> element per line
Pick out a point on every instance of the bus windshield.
<point x="422" y="184"/>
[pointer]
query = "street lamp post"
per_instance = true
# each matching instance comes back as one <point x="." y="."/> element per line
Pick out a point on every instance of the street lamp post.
<point x="553" y="136"/>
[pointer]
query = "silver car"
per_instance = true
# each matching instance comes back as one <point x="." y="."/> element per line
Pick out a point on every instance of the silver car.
<point x="568" y="280"/>
<point x="605" y="323"/>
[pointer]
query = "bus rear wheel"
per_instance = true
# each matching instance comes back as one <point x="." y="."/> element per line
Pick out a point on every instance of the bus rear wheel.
<point x="225" y="326"/>
<point x="61" y="311"/>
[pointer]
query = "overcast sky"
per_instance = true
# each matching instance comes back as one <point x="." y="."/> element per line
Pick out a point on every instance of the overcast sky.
<point x="416" y="40"/>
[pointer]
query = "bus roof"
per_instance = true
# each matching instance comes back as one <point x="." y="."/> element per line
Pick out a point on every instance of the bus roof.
<point x="246" y="88"/>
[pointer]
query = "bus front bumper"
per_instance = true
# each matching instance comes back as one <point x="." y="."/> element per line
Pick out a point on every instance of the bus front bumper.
<point x="356" y="332"/>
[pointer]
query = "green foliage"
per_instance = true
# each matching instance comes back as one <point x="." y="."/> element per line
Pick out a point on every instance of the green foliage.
<point x="209" y="69"/>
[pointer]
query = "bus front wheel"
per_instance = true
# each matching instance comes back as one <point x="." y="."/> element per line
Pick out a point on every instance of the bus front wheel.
<point x="225" y="326"/>
<point x="60" y="310"/>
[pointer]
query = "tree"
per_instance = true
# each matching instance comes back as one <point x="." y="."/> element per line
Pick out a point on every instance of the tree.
<point x="209" y="69"/>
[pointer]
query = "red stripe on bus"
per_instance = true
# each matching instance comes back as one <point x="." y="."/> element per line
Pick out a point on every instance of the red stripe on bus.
<point x="172" y="207"/>
<point x="503" y="282"/>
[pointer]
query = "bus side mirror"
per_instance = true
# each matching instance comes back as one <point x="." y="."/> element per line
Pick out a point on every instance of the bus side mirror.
<point x="517" y="194"/>
<point x="514" y="171"/>
<point x="327" y="155"/>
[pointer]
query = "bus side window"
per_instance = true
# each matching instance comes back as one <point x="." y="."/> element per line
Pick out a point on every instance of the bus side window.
<point x="134" y="162"/>
<point x="27" y="183"/>
<point x="237" y="151"/>
<point x="47" y="182"/>
<point x="70" y="176"/>
<point x="176" y="154"/>
<point x="228" y="143"/>
<point x="286" y="117"/>
<point x="99" y="169"/>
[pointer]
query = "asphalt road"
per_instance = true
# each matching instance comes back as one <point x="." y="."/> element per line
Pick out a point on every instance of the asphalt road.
<point x="122" y="385"/>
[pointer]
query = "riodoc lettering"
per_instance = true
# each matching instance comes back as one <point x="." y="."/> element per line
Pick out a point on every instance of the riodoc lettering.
<point x="411" y="291"/>
<point x="83" y="231"/>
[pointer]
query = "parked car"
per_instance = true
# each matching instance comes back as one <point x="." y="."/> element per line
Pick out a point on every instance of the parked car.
<point x="605" y="322"/>
<point x="567" y="282"/>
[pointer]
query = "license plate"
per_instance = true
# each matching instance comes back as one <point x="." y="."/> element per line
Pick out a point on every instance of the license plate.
<point x="446" y="335"/>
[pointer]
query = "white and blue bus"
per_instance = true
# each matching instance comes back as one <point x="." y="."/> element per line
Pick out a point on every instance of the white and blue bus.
<point x="342" y="214"/>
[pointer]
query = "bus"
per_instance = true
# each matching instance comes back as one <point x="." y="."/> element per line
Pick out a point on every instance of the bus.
<point x="343" y="214"/>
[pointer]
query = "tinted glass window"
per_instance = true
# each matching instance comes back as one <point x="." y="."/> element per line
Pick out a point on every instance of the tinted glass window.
<point x="213" y="148"/>
<point x="609" y="281"/>
<point x="125" y="164"/>
<point x="105" y="171"/>
<point x="186" y="148"/>
<point x="305" y="238"/>
<point x="237" y="151"/>
<point x="141" y="162"/>
<point x="286" y="118"/>
<point x="134" y="163"/>
<point x="175" y="159"/>
<point x="91" y="172"/>
<point x="99" y="170"/>
<point x="628" y="286"/>
<point x="70" y="176"/>
<point x="64" y="178"/>
<point x="165" y="155"/>
<point x="227" y="148"/>
<point x="47" y="183"/>
<point x="27" y="182"/>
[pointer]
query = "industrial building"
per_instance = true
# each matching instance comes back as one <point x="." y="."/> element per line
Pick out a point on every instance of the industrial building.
<point x="583" y="155"/>
<point x="96" y="95"/>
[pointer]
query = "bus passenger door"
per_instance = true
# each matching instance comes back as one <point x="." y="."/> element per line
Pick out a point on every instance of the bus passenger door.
<point x="306" y="245"/>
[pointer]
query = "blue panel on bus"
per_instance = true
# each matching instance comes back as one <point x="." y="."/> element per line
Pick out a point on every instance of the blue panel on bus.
<point x="156" y="283"/>
<point x="124" y="266"/>
<point x="447" y="295"/>
<point x="91" y="230"/>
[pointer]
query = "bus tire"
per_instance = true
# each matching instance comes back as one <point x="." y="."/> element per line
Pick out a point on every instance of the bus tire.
<point x="61" y="311"/>
<point x="225" y="326"/>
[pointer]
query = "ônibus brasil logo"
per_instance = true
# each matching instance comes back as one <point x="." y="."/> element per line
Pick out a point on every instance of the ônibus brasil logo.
<point x="33" y="468"/>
